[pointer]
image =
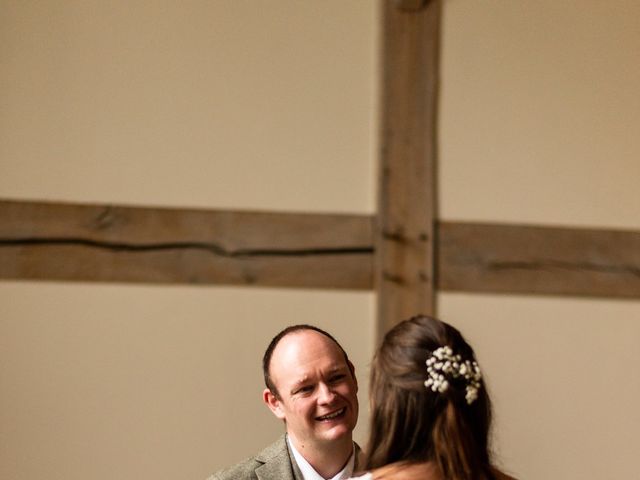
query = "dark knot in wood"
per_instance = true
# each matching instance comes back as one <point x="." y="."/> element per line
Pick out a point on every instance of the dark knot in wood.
<point x="393" y="278"/>
<point x="395" y="235"/>
<point x="423" y="277"/>
<point x="105" y="218"/>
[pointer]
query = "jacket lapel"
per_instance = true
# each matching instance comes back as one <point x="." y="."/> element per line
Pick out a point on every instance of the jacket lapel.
<point x="278" y="464"/>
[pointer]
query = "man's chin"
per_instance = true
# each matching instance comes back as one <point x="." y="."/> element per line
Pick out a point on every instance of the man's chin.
<point x="336" y="432"/>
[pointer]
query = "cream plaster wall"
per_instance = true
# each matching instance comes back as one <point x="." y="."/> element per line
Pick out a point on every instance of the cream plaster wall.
<point x="271" y="105"/>
<point x="540" y="117"/>
<point x="562" y="376"/>
<point x="229" y="103"/>
<point x="540" y="123"/>
<point x="224" y="104"/>
<point x="137" y="382"/>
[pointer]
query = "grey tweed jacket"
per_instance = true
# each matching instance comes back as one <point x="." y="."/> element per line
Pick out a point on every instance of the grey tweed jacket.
<point x="275" y="462"/>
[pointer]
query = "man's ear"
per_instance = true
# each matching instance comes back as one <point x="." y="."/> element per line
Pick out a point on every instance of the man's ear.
<point x="353" y="373"/>
<point x="273" y="402"/>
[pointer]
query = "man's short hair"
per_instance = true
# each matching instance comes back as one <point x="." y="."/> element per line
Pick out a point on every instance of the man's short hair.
<point x="266" y="359"/>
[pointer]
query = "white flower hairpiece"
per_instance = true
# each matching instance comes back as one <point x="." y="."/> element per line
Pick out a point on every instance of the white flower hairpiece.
<point x="443" y="365"/>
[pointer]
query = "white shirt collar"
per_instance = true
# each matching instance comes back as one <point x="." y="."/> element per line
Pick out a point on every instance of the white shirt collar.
<point x="309" y="473"/>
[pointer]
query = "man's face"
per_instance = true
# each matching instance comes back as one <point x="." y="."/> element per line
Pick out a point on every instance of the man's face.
<point x="316" y="386"/>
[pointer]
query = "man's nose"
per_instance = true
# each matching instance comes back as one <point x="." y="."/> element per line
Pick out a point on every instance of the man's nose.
<point x="325" y="394"/>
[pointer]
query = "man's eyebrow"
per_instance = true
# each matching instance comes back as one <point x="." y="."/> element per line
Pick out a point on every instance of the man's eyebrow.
<point x="337" y="369"/>
<point x="302" y="381"/>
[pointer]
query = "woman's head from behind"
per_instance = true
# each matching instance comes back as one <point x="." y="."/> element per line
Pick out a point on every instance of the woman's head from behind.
<point x="446" y="420"/>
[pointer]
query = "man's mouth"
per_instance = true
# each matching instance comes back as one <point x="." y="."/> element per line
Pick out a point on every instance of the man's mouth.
<point x="332" y="415"/>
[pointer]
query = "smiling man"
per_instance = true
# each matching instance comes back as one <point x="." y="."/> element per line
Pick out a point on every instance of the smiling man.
<point x="311" y="387"/>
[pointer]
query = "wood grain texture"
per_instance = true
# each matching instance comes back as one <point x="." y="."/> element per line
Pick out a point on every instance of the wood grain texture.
<point x="538" y="260"/>
<point x="410" y="5"/>
<point x="407" y="185"/>
<point x="72" y="242"/>
<point x="57" y="241"/>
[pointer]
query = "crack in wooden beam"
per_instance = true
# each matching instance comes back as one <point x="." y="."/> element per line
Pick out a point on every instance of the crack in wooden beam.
<point x="208" y="247"/>
<point x="119" y="243"/>
<point x="574" y="266"/>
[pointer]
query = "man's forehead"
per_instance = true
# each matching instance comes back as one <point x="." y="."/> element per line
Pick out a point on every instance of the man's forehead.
<point x="297" y="349"/>
<point x="301" y="341"/>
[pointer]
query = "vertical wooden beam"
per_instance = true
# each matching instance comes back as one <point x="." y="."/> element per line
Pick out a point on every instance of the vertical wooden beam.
<point x="404" y="271"/>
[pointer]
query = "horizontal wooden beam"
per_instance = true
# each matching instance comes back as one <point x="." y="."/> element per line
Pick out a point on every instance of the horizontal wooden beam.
<point x="538" y="260"/>
<point x="58" y="241"/>
<point x="77" y="242"/>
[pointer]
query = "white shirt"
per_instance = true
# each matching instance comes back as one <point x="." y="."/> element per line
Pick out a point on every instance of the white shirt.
<point x="309" y="473"/>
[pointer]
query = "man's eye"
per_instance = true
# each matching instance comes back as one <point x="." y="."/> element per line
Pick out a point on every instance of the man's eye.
<point x="305" y="389"/>
<point x="337" y="378"/>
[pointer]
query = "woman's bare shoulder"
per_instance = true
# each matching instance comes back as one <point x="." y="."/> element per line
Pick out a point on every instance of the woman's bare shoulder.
<point x="501" y="475"/>
<point x="416" y="471"/>
<point x="407" y="471"/>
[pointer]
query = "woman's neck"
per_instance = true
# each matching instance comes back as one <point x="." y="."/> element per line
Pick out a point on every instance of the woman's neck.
<point x="407" y="471"/>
